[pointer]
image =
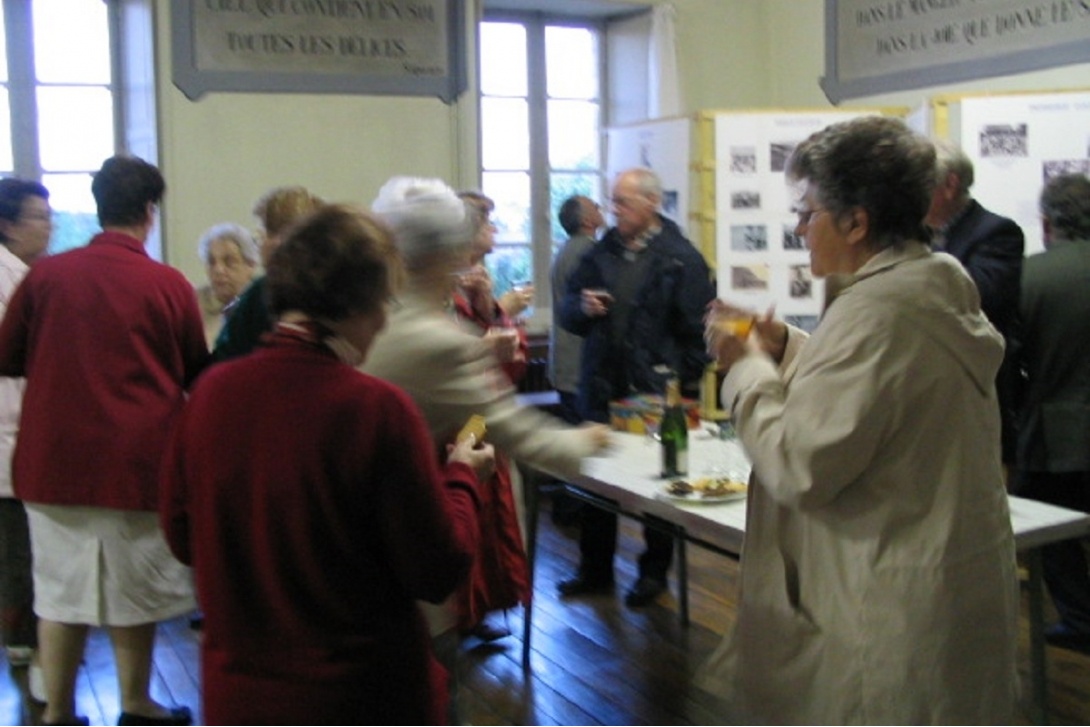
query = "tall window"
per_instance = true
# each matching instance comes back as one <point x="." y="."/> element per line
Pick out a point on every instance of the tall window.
<point x="541" y="116"/>
<point x="57" y="105"/>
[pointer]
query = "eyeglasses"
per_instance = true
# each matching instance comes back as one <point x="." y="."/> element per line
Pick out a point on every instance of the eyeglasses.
<point x="626" y="202"/>
<point x="37" y="217"/>
<point x="806" y="216"/>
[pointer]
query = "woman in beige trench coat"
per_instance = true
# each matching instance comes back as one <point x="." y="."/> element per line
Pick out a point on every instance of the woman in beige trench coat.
<point x="878" y="574"/>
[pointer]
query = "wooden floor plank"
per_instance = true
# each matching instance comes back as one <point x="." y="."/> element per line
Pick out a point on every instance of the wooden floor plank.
<point x="593" y="660"/>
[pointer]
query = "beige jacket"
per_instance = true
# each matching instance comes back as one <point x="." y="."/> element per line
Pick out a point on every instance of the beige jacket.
<point x="878" y="575"/>
<point x="452" y="375"/>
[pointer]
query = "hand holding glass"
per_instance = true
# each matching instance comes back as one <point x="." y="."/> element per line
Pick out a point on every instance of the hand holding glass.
<point x="731" y="324"/>
<point x="596" y="301"/>
<point x="505" y="343"/>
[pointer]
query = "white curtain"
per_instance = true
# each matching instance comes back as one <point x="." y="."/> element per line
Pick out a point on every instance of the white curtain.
<point x="663" y="92"/>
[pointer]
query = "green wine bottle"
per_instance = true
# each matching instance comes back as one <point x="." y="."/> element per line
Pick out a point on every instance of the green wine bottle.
<point x="674" y="432"/>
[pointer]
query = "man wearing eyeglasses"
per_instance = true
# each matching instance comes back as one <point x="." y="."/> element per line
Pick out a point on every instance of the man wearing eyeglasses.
<point x="637" y="299"/>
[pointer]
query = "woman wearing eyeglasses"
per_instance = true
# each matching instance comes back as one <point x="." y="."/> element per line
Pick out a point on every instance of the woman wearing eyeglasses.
<point x="25" y="227"/>
<point x="878" y="576"/>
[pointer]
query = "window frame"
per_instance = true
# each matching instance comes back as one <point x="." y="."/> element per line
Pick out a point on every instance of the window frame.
<point x="132" y="87"/>
<point x="541" y="243"/>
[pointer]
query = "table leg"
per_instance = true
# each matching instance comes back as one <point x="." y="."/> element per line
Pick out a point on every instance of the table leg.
<point x="532" y="497"/>
<point x="682" y="576"/>
<point x="1037" y="657"/>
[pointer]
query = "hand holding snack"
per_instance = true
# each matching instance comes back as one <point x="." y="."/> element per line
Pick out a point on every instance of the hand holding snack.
<point x="481" y="458"/>
<point x="473" y="431"/>
<point x="517" y="299"/>
<point x="469" y="448"/>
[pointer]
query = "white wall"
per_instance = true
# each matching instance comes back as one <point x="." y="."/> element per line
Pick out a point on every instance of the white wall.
<point x="221" y="152"/>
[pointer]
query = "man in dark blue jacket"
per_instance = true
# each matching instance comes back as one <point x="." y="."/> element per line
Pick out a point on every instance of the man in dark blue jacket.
<point x="638" y="299"/>
<point x="991" y="248"/>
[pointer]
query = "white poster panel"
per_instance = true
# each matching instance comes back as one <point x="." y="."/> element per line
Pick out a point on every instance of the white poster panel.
<point x="1018" y="142"/>
<point x="664" y="146"/>
<point x="760" y="260"/>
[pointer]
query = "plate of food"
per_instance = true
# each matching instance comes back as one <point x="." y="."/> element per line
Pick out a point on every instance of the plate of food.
<point x="704" y="490"/>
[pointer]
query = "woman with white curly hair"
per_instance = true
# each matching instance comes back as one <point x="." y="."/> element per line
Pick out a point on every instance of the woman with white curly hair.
<point x="230" y="257"/>
<point x="452" y="374"/>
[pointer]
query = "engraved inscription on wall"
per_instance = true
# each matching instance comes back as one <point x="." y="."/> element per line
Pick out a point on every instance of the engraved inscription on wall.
<point x="383" y="37"/>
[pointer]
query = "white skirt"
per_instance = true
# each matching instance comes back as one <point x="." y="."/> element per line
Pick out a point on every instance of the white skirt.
<point x="104" y="567"/>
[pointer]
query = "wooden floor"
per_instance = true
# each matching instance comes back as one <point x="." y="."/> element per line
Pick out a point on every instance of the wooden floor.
<point x="593" y="660"/>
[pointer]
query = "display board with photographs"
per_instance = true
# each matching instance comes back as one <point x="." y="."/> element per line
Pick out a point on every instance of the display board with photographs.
<point x="759" y="258"/>
<point x="1017" y="143"/>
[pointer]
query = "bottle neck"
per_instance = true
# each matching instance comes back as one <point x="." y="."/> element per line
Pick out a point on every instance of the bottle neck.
<point x="673" y="393"/>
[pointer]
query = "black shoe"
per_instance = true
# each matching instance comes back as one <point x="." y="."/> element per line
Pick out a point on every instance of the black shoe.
<point x="1065" y="637"/>
<point x="583" y="585"/>
<point x="177" y="716"/>
<point x="487" y="633"/>
<point x="566" y="510"/>
<point x="644" y="591"/>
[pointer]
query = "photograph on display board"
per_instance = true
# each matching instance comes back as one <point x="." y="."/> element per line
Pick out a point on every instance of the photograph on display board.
<point x="749" y="278"/>
<point x="806" y="323"/>
<point x="791" y="241"/>
<point x="748" y="238"/>
<point x="1004" y="140"/>
<point x="743" y="160"/>
<point x="749" y="199"/>
<point x="1059" y="167"/>
<point x="802" y="282"/>
<point x="779" y="153"/>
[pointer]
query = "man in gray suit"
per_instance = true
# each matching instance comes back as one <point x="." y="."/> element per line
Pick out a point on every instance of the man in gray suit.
<point x="1053" y="454"/>
<point x="581" y="218"/>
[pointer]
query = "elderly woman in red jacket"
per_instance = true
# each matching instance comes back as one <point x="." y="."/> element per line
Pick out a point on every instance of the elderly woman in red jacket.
<point x="309" y="500"/>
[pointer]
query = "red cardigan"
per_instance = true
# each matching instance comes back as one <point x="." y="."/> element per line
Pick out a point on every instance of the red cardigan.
<point x="308" y="498"/>
<point x="108" y="340"/>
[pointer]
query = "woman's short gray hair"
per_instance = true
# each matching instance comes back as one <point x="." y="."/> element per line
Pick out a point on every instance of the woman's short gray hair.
<point x="876" y="163"/>
<point x="427" y="218"/>
<point x="232" y="233"/>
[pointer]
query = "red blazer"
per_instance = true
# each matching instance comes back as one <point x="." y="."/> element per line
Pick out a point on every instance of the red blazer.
<point x="108" y="340"/>
<point x="308" y="498"/>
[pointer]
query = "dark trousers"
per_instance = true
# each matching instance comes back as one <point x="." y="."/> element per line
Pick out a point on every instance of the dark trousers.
<point x="1066" y="564"/>
<point x="18" y="624"/>
<point x="598" y="543"/>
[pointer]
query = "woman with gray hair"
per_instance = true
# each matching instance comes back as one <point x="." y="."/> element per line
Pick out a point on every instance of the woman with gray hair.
<point x="452" y="375"/>
<point x="878" y="576"/>
<point x="230" y="258"/>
